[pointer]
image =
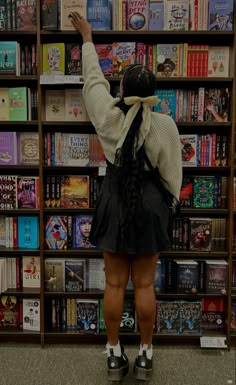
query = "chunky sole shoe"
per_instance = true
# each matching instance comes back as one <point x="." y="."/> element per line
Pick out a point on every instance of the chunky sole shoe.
<point x="143" y="368"/>
<point x="118" y="367"/>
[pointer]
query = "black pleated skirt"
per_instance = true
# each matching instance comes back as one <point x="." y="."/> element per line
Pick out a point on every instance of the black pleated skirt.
<point x="147" y="235"/>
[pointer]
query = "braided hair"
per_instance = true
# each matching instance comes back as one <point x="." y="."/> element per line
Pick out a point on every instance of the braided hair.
<point x="138" y="80"/>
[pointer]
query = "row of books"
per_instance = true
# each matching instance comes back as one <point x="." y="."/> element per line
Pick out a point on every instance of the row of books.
<point x="19" y="232"/>
<point x="18" y="104"/>
<point x="208" y="150"/>
<point x="234" y="277"/>
<point x="234" y="237"/>
<point x="234" y="196"/>
<point x="74" y="150"/>
<point x="20" y="148"/>
<point x="17" y="59"/>
<point x="204" y="192"/>
<point x="199" y="234"/>
<point x="19" y="15"/>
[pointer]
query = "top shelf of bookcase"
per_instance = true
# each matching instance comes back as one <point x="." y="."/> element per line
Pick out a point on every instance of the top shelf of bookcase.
<point x="161" y="33"/>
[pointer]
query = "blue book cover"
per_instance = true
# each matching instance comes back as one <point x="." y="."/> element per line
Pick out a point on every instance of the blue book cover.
<point x="221" y="15"/>
<point x="56" y="232"/>
<point x="191" y="317"/>
<point x="81" y="229"/>
<point x="159" y="283"/>
<point x="9" y="58"/>
<point x="167" y="102"/>
<point x="28" y="232"/>
<point x="156" y="15"/>
<point x="99" y="14"/>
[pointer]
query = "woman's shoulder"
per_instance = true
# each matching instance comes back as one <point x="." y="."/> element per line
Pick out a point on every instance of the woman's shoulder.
<point x="163" y="122"/>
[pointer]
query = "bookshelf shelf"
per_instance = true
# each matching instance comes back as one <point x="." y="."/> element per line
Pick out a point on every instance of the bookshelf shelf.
<point x="93" y="253"/>
<point x="20" y="212"/>
<point x="64" y="123"/>
<point x="25" y="292"/>
<point x="18" y="33"/>
<point x="204" y="211"/>
<point x="19" y="123"/>
<point x="22" y="78"/>
<point x="195" y="254"/>
<point x="66" y="169"/>
<point x="17" y="252"/>
<point x="206" y="170"/>
<point x="61" y="210"/>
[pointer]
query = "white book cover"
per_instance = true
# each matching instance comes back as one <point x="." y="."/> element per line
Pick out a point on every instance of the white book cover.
<point x="176" y="15"/>
<point x="96" y="274"/>
<point x="31" y="271"/>
<point x="218" y="62"/>
<point x="55" y="105"/>
<point x="75" y="149"/>
<point x="188" y="150"/>
<point x="68" y="6"/>
<point x="31" y="314"/>
<point x="75" y="109"/>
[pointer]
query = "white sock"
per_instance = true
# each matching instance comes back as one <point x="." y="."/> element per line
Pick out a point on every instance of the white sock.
<point x="148" y="351"/>
<point x="116" y="349"/>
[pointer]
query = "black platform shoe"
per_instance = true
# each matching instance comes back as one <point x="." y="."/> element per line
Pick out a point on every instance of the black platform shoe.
<point x="143" y="367"/>
<point x="117" y="366"/>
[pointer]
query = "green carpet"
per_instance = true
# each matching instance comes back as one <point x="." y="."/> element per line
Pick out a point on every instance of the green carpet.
<point x="86" y="365"/>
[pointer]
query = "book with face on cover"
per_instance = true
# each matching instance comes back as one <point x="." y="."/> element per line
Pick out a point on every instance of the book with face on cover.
<point x="54" y="59"/>
<point x="26" y="15"/>
<point x="221" y="15"/>
<point x="68" y="6"/>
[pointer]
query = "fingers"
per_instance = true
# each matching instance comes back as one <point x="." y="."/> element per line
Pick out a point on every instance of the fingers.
<point x="75" y="16"/>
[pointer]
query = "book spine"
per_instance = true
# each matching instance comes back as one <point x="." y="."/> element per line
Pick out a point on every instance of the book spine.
<point x="18" y="273"/>
<point x="15" y="233"/>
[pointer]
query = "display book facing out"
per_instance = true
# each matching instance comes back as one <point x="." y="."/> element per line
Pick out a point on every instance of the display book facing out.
<point x="189" y="125"/>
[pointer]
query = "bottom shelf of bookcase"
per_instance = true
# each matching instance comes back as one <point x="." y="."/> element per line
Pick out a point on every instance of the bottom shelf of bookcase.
<point x="19" y="335"/>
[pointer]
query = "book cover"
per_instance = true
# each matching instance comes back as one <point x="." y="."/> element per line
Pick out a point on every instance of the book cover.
<point x="8" y="148"/>
<point x="166" y="102"/>
<point x="55" y="105"/>
<point x="75" y="275"/>
<point x="203" y="192"/>
<point x="18" y="104"/>
<point x="233" y="317"/>
<point x="28" y="232"/>
<point x="9" y="311"/>
<point x="200" y="234"/>
<point x="4" y="104"/>
<point x="156" y="15"/>
<point x="87" y="315"/>
<point x="68" y="6"/>
<point x="56" y="232"/>
<point x="81" y="229"/>
<point x="3" y="17"/>
<point x="96" y="274"/>
<point x="28" y="192"/>
<point x="8" y="192"/>
<point x="191" y="317"/>
<point x="99" y="14"/>
<point x="217" y="105"/>
<point x="177" y="15"/>
<point x="105" y="58"/>
<point x="28" y="148"/>
<point x="75" y="109"/>
<point x="169" y="317"/>
<point x="124" y="54"/>
<point x="49" y="14"/>
<point x="75" y="191"/>
<point x="54" y="59"/>
<point x="137" y="15"/>
<point x="31" y="314"/>
<point x="26" y="15"/>
<point x="2" y="231"/>
<point x="188" y="150"/>
<point x="216" y="277"/>
<point x="218" y="61"/>
<point x="186" y="192"/>
<point x="75" y="149"/>
<point x="9" y="58"/>
<point x="220" y="17"/>
<point x="31" y="272"/>
<point x="186" y="276"/>
<point x="73" y="59"/>
<point x="159" y="282"/>
<point x="128" y="319"/>
<point x="167" y="64"/>
<point x="54" y="274"/>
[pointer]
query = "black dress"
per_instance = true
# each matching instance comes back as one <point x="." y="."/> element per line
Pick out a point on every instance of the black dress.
<point x="147" y="235"/>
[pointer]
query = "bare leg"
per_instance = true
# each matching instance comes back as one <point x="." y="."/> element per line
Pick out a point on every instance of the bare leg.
<point x="142" y="275"/>
<point x="117" y="268"/>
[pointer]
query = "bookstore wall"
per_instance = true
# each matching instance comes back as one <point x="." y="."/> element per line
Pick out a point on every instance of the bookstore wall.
<point x="52" y="166"/>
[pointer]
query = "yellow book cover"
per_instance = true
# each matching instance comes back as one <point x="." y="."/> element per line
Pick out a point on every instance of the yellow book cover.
<point x="54" y="59"/>
<point x="4" y="104"/>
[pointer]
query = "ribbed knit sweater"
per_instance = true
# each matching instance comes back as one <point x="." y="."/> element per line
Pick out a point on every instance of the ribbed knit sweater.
<point x="162" y="144"/>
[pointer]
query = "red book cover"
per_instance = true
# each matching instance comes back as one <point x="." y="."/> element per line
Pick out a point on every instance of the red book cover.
<point x="15" y="234"/>
<point x="26" y="15"/>
<point x="9" y="311"/>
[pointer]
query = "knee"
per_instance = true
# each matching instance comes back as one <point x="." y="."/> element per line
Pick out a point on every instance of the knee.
<point x="116" y="284"/>
<point x="142" y="283"/>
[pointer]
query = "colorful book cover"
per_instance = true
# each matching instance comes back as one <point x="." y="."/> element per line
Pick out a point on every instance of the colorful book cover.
<point x="128" y="320"/>
<point x="124" y="54"/>
<point x="169" y="317"/>
<point x="81" y="229"/>
<point x="26" y="15"/>
<point x="75" y="275"/>
<point x="56" y="232"/>
<point x="4" y="104"/>
<point x="9" y="311"/>
<point x="188" y="150"/>
<point x="55" y="105"/>
<point x="167" y="60"/>
<point x="218" y="61"/>
<point x="186" y="192"/>
<point x="28" y="192"/>
<point x="18" y="104"/>
<point x="54" y="59"/>
<point x="156" y="15"/>
<point x="73" y="59"/>
<point x="213" y="320"/>
<point x="31" y="272"/>
<point x="8" y="148"/>
<point x="68" y="6"/>
<point x="221" y="15"/>
<point x="166" y="102"/>
<point x="75" y="109"/>
<point x="75" y="149"/>
<point x="99" y="14"/>
<point x="203" y="192"/>
<point x="216" y="277"/>
<point x="200" y="231"/>
<point x="75" y="191"/>
<point x="54" y="275"/>
<point x="31" y="314"/>
<point x="9" y="58"/>
<point x="87" y="315"/>
<point x="176" y="15"/>
<point x="191" y="317"/>
<point x="105" y="58"/>
<point x="28" y="148"/>
<point x="2" y="231"/>
<point x="49" y="14"/>
<point x="8" y="192"/>
<point x="186" y="276"/>
<point x="137" y="15"/>
<point x="28" y="232"/>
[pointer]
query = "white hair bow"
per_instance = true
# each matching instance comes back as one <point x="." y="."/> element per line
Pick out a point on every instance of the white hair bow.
<point x="149" y="100"/>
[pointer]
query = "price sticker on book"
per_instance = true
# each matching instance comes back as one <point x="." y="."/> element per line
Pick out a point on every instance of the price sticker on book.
<point x="213" y="342"/>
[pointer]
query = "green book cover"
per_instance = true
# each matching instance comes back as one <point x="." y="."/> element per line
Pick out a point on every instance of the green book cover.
<point x="203" y="192"/>
<point x="9" y="64"/>
<point x="18" y="103"/>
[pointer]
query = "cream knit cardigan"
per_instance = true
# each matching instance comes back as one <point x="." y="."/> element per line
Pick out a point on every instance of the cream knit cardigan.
<point x="162" y="142"/>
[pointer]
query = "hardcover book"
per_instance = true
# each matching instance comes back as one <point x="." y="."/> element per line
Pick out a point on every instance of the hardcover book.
<point x="8" y="148"/>
<point x="105" y="58"/>
<point x="9" y="311"/>
<point x="167" y="64"/>
<point x="8" y="192"/>
<point x="76" y="149"/>
<point x="75" y="275"/>
<point x="186" y="276"/>
<point x="99" y="14"/>
<point x="28" y="232"/>
<point x="137" y="15"/>
<point x="221" y="15"/>
<point x="9" y="58"/>
<point x="54" y="275"/>
<point x="186" y="192"/>
<point x="159" y="283"/>
<point x="28" y="148"/>
<point x="75" y="109"/>
<point x="124" y="54"/>
<point x="217" y="105"/>
<point x="213" y="313"/>
<point x="49" y="14"/>
<point x="55" y="105"/>
<point x="176" y="15"/>
<point x="218" y="61"/>
<point x="216" y="276"/>
<point x="200" y="234"/>
<point x="3" y="13"/>
<point x="31" y="314"/>
<point x="56" y="232"/>
<point x="169" y="317"/>
<point x="188" y="150"/>
<point x="128" y="319"/>
<point x="73" y="59"/>
<point x="75" y="191"/>
<point x="166" y="102"/>
<point x="203" y="192"/>
<point x="191" y="317"/>
<point x="18" y="104"/>
<point x="68" y="6"/>
<point x="156" y="15"/>
<point x="54" y="59"/>
<point x="4" y="104"/>
<point x="31" y="272"/>
<point x="26" y="15"/>
<point x="28" y="192"/>
<point x="81" y="229"/>
<point x="87" y="315"/>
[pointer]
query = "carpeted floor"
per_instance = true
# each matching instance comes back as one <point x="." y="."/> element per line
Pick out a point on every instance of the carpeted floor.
<point x="85" y="365"/>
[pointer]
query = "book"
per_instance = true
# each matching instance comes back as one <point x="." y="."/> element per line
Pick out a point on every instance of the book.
<point x="9" y="311"/>
<point x="218" y="61"/>
<point x="28" y="192"/>
<point x="188" y="150"/>
<point x="123" y="54"/>
<point x="213" y="313"/>
<point x="81" y="229"/>
<point x="191" y="317"/>
<point x="186" y="192"/>
<point x="169" y="317"/>
<point x="203" y="191"/>
<point x="105" y="58"/>
<point x="28" y="232"/>
<point x="74" y="191"/>
<point x="28" y="148"/>
<point x="31" y="314"/>
<point x="4" y="104"/>
<point x="75" y="109"/>
<point x="73" y="59"/>
<point x="186" y="276"/>
<point x="166" y="102"/>
<point x="26" y="15"/>
<point x="159" y="282"/>
<point x="53" y="59"/>
<point x="68" y="6"/>
<point x="49" y="14"/>
<point x="217" y="105"/>
<point x="75" y="149"/>
<point x="56" y="232"/>
<point x="99" y="14"/>
<point x="216" y="276"/>
<point x="55" y="105"/>
<point x="137" y="15"/>
<point x="200" y="234"/>
<point x="167" y="64"/>
<point x="8" y="148"/>
<point x="156" y="15"/>
<point x="128" y="319"/>
<point x="54" y="274"/>
<point x="75" y="275"/>
<point x="220" y="17"/>
<point x="31" y="272"/>
<point x="176" y="15"/>
<point x="8" y="192"/>
<point x="18" y="106"/>
<point x="3" y="13"/>
<point x="87" y="315"/>
<point x="9" y="58"/>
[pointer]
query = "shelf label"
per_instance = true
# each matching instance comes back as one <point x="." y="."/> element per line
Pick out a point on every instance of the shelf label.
<point x="102" y="171"/>
<point x="213" y="342"/>
<point x="61" y="79"/>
